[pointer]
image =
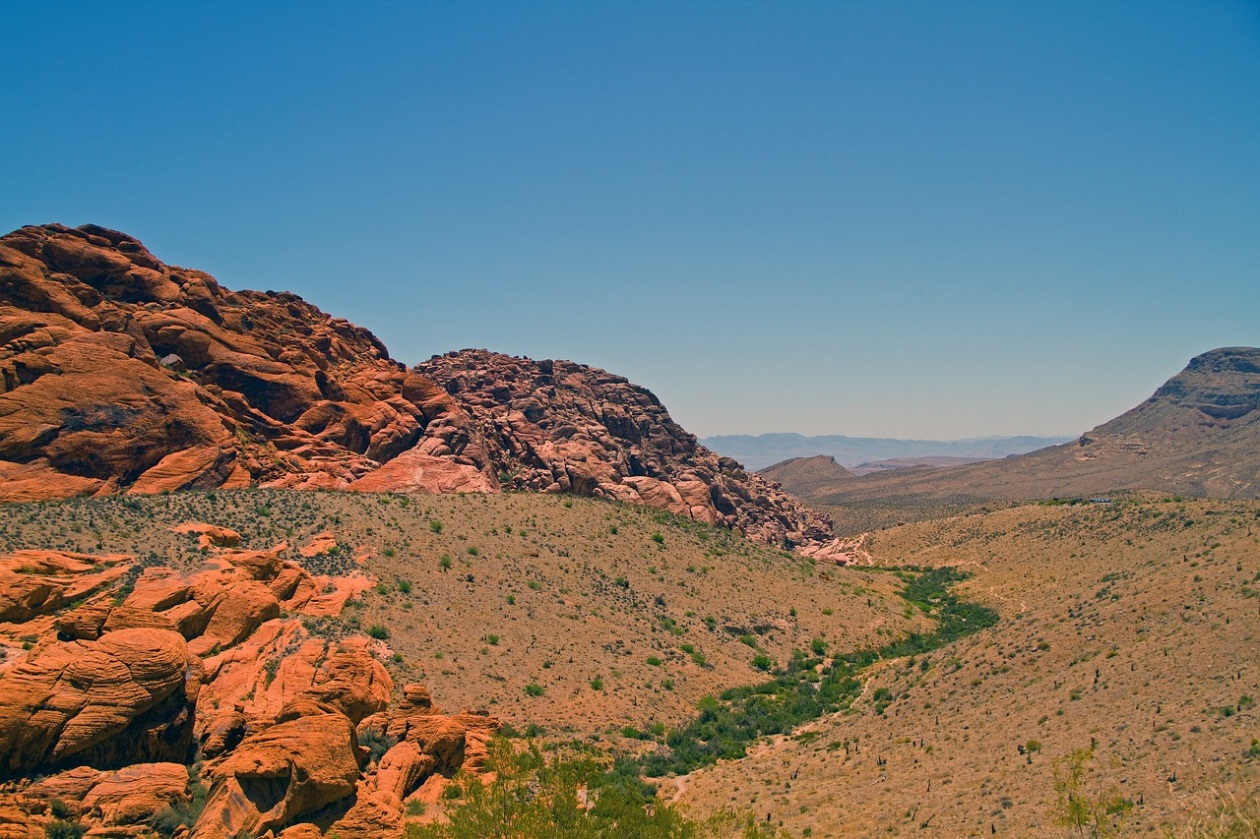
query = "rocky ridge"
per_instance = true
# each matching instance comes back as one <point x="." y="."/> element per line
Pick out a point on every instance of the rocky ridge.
<point x="111" y="695"/>
<point x="558" y="426"/>
<point x="801" y="475"/>
<point x="119" y="373"/>
<point x="1197" y="435"/>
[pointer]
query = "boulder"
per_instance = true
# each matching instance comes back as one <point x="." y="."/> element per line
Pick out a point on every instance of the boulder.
<point x="126" y="697"/>
<point x="137" y="793"/>
<point x="274" y="777"/>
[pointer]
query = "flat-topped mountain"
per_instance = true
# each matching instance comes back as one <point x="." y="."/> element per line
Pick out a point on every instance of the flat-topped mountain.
<point x="1198" y="434"/>
<point x="803" y="476"/>
<point x="120" y="373"/>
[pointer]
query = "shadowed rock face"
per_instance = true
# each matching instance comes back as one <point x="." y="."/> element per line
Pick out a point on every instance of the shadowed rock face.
<point x="1223" y="384"/>
<point x="557" y="426"/>
<point x="121" y="373"/>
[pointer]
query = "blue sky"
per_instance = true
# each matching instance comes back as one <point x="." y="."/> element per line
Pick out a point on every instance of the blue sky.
<point x="907" y="219"/>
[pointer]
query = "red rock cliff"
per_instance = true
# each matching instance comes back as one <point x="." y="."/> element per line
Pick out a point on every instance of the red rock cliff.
<point x="557" y="426"/>
<point x="121" y="373"/>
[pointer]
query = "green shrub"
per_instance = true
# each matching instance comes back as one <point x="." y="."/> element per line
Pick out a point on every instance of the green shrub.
<point x="377" y="743"/>
<point x="378" y="632"/>
<point x="537" y="796"/>
<point x="809" y="687"/>
<point x="60" y="829"/>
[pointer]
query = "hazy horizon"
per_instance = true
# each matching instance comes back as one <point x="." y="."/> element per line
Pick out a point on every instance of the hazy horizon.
<point x="907" y="220"/>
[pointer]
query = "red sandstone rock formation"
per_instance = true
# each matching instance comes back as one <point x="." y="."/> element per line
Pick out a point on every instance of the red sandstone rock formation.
<point x="121" y="373"/>
<point x="153" y="667"/>
<point x="119" y="699"/>
<point x="557" y="426"/>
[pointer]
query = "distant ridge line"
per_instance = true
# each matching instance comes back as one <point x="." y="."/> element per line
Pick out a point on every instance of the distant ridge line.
<point x="757" y="451"/>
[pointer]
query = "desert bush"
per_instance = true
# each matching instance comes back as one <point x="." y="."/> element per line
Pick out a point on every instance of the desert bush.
<point x="61" y="829"/>
<point x="1082" y="813"/>
<point x="536" y="796"/>
<point x="377" y="743"/>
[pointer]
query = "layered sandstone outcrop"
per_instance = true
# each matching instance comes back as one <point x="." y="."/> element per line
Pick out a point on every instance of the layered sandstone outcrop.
<point x="114" y="677"/>
<point x="121" y="373"/>
<point x="557" y="426"/>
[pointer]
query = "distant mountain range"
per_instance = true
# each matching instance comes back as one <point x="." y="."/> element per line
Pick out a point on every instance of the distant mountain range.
<point x="762" y="450"/>
<point x="1197" y="435"/>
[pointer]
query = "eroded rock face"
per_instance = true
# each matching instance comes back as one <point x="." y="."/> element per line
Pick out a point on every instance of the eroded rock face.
<point x="122" y="698"/>
<point x="137" y="669"/>
<point x="280" y="774"/>
<point x="121" y="373"/>
<point x="557" y="426"/>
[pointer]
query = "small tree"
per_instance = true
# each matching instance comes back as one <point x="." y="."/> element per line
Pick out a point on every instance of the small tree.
<point x="1095" y="816"/>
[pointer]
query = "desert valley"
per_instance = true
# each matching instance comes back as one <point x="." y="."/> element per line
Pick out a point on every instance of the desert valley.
<point x="257" y="578"/>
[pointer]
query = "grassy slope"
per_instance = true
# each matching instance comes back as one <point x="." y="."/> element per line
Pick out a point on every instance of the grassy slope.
<point x="552" y="596"/>
<point x="1135" y="626"/>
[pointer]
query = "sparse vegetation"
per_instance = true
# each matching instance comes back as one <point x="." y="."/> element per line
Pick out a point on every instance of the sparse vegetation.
<point x="541" y="798"/>
<point x="1084" y="813"/>
<point x="727" y="724"/>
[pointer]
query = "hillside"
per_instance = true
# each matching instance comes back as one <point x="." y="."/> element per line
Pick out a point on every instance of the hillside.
<point x="1131" y="627"/>
<point x="1128" y="625"/>
<point x="804" y="476"/>
<point x="1197" y="435"/>
<point x="122" y="374"/>
<point x="625" y="582"/>
<point x="224" y="655"/>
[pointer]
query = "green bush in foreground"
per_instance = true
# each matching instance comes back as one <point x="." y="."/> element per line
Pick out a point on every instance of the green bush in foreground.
<point x="539" y="798"/>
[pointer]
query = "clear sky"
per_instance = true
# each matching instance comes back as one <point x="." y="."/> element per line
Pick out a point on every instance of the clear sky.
<point x="909" y="219"/>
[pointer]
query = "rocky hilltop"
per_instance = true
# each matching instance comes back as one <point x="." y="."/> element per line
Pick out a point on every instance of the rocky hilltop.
<point x="1198" y="435"/>
<point x="120" y="373"/>
<point x="557" y="426"/>
<point x="802" y="476"/>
